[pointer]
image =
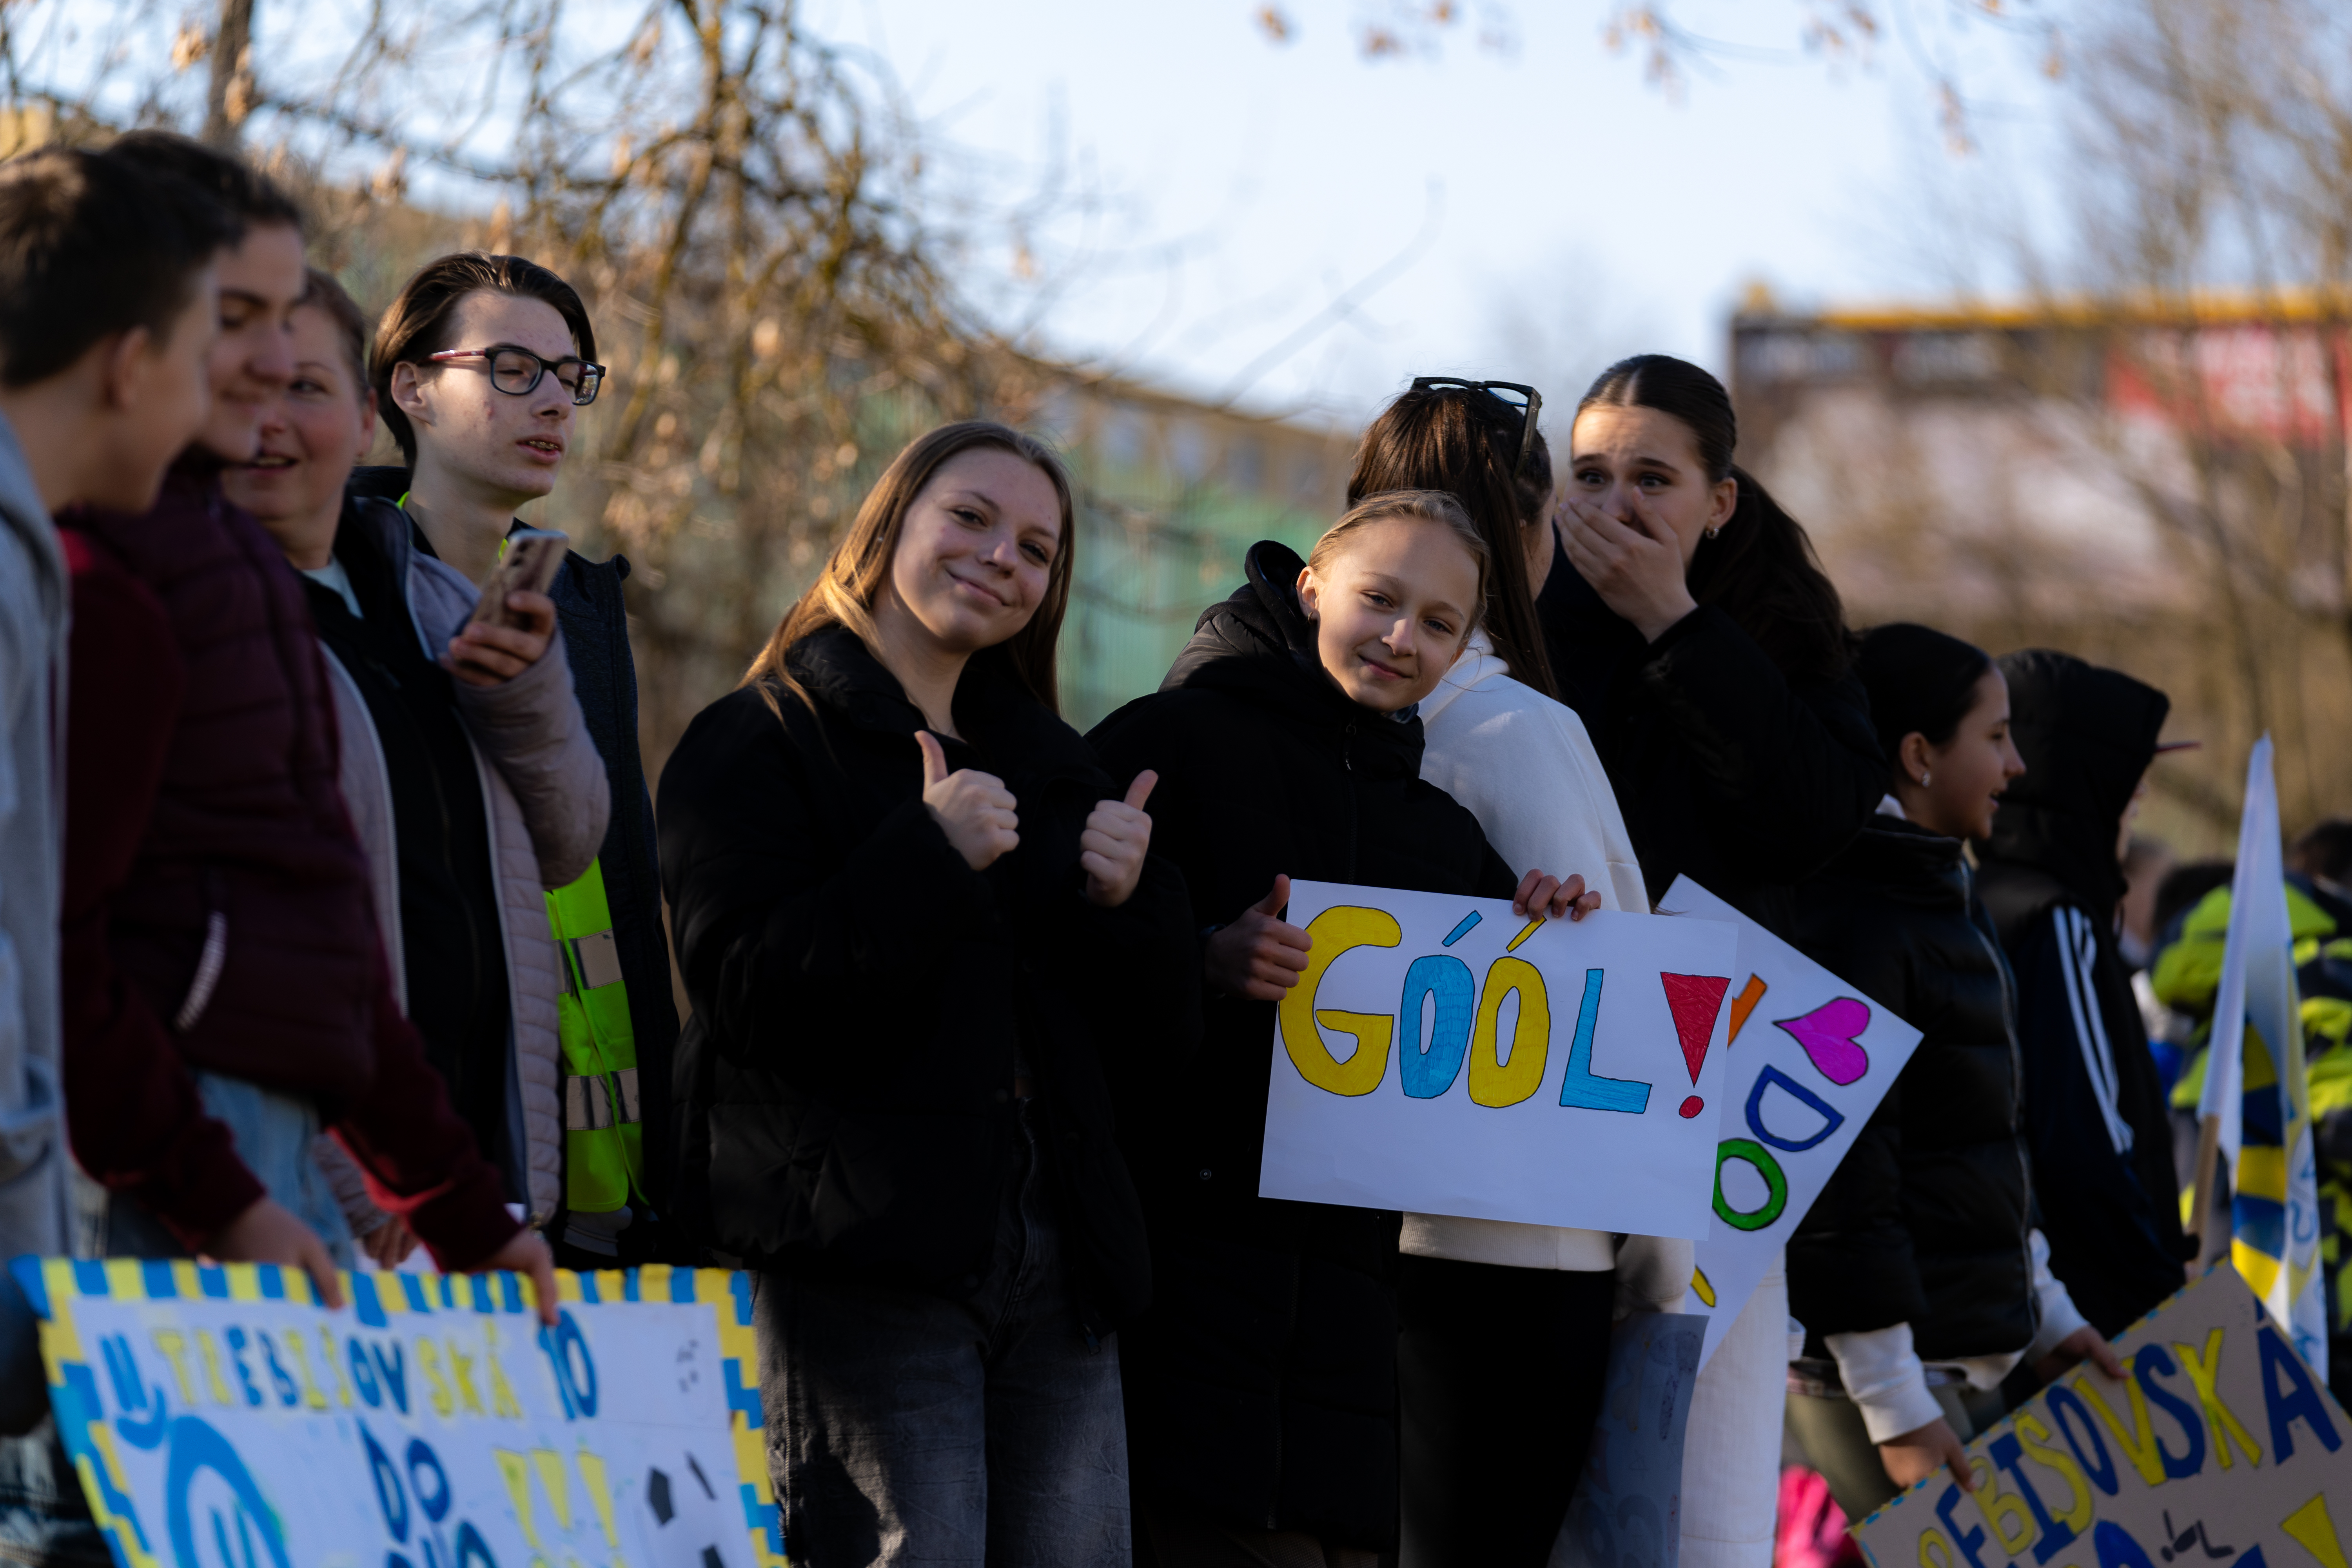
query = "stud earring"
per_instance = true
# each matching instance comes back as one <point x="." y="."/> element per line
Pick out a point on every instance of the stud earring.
<point x="1923" y="781"/>
<point x="1713" y="533"/>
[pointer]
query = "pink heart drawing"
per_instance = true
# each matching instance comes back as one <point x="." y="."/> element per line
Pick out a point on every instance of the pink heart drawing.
<point x="1828" y="1034"/>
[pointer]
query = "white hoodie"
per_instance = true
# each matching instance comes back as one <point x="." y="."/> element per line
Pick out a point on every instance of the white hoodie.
<point x="1526" y="769"/>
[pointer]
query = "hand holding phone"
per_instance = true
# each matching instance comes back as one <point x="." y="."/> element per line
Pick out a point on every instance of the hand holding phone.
<point x="513" y="620"/>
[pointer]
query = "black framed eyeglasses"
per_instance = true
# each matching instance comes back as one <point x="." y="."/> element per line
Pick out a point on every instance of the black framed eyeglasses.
<point x="1530" y="405"/>
<point x="518" y="371"/>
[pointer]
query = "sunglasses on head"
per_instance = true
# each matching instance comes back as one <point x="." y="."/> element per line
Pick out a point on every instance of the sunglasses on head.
<point x="1528" y="405"/>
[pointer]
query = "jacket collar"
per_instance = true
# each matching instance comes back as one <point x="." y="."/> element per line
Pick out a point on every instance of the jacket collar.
<point x="996" y="710"/>
<point x="1259" y="645"/>
<point x="1905" y="860"/>
<point x="376" y="525"/>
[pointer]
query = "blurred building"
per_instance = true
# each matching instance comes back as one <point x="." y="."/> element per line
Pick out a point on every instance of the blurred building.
<point x="1171" y="493"/>
<point x="2160" y="486"/>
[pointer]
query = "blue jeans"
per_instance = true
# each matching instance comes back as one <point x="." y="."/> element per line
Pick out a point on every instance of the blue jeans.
<point x="43" y="1519"/>
<point x="906" y="1426"/>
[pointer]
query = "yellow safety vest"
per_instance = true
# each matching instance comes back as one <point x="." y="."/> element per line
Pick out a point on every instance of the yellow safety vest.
<point x="603" y="1143"/>
<point x="603" y="1133"/>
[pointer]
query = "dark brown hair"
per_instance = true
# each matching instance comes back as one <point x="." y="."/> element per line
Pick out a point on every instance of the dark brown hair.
<point x="324" y="294"/>
<point x="1465" y="442"/>
<point x="244" y="192"/>
<point x="2324" y="849"/>
<point x="1761" y="570"/>
<point x="416" y="326"/>
<point x="854" y="574"/>
<point x="92" y="246"/>
<point x="1920" y="680"/>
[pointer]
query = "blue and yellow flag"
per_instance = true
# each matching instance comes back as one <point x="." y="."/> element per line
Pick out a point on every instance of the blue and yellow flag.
<point x="2257" y="1091"/>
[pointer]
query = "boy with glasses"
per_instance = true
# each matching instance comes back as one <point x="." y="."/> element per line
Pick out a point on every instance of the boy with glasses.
<point x="479" y="369"/>
<point x="466" y="761"/>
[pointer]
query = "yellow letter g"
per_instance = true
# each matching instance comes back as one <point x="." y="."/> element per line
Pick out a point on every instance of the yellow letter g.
<point x="1339" y="928"/>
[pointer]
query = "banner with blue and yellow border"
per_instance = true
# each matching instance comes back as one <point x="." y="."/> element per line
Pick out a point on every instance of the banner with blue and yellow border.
<point x="2220" y="1447"/>
<point x="220" y="1417"/>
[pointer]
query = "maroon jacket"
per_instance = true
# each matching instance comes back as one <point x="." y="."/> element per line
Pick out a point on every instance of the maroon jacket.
<point x="217" y="905"/>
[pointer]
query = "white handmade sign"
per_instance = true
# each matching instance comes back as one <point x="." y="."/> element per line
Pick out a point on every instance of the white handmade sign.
<point x="2219" y="1445"/>
<point x="1443" y="1055"/>
<point x="219" y="1418"/>
<point x="1809" y="1060"/>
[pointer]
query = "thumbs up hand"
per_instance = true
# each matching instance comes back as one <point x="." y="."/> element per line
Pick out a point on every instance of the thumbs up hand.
<point x="1259" y="955"/>
<point x="1116" y="837"/>
<point x="974" y="809"/>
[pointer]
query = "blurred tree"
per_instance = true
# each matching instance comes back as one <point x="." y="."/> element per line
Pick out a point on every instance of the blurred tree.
<point x="1673" y="48"/>
<point x="743" y="204"/>
<point x="2213" y="162"/>
<point x="2145" y="459"/>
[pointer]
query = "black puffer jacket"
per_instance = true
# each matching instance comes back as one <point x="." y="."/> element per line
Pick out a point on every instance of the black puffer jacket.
<point x="1925" y="1221"/>
<point x="2052" y="883"/>
<point x="1262" y="1385"/>
<point x="1727" y="771"/>
<point x="860" y="991"/>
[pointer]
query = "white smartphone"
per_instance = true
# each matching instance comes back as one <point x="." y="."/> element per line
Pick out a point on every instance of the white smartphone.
<point x="528" y="563"/>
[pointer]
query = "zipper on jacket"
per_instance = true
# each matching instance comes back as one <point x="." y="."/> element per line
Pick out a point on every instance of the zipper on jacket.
<point x="446" y="844"/>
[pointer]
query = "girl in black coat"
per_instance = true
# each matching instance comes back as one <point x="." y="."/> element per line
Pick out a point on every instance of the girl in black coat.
<point x="1694" y="633"/>
<point x="1262" y="1385"/>
<point x="902" y="899"/>
<point x="1918" y="1273"/>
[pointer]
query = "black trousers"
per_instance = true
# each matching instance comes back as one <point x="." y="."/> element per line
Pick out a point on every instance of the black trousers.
<point x="1499" y="1377"/>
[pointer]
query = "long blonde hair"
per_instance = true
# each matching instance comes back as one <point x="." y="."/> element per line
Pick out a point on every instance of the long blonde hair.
<point x="844" y="592"/>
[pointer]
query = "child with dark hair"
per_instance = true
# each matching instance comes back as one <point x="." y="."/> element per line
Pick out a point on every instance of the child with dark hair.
<point x="1911" y="1325"/>
<point x="106" y="299"/>
<point x="1693" y="631"/>
<point x="2052" y="878"/>
<point x="1696" y="636"/>
<point x="479" y="370"/>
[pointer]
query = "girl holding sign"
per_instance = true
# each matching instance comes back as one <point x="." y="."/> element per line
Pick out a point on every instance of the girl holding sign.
<point x="1491" y="1450"/>
<point x="905" y="893"/>
<point x="1918" y="1274"/>
<point x="1262" y="1386"/>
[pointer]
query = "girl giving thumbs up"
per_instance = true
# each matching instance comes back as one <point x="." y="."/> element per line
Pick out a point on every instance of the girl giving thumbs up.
<point x="922" y="929"/>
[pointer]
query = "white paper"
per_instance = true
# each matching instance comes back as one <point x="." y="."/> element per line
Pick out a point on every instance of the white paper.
<point x="1541" y="1077"/>
<point x="1810" y="1058"/>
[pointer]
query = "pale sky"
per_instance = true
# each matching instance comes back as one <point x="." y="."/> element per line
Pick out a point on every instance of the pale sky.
<point x="1527" y="215"/>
